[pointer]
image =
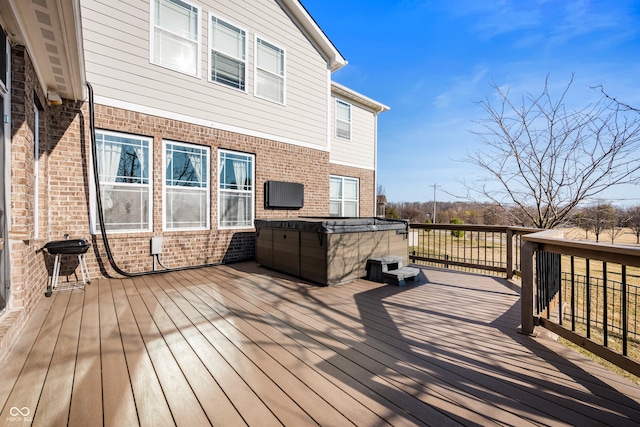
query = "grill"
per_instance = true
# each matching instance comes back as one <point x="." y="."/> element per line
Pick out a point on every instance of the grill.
<point x="58" y="248"/>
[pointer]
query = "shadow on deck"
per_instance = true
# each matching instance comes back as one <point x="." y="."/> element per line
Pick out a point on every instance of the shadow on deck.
<point x="240" y="344"/>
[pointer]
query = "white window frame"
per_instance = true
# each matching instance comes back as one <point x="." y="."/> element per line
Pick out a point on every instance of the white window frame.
<point x="152" y="37"/>
<point x="149" y="186"/>
<point x="222" y="191"/>
<point x="342" y="198"/>
<point x="257" y="70"/>
<point x="205" y="189"/>
<point x="213" y="49"/>
<point x="338" y="120"/>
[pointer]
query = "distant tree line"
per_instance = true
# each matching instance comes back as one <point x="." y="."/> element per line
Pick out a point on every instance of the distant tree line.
<point x="594" y="219"/>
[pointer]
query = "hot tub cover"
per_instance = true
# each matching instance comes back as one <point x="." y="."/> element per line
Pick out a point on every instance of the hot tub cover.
<point x="334" y="224"/>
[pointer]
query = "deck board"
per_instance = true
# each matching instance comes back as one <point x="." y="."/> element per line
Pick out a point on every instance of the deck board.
<point x="379" y="355"/>
<point x="243" y="345"/>
<point x="16" y="358"/>
<point x="149" y="396"/>
<point x="300" y="364"/>
<point x="59" y="381"/>
<point x="118" y="402"/>
<point x="86" y="395"/>
<point x="28" y="386"/>
<point x="241" y="397"/>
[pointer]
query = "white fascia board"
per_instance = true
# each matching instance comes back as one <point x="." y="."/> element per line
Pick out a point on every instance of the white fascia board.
<point x="116" y="103"/>
<point x="71" y="23"/>
<point x="351" y="94"/>
<point x="335" y="58"/>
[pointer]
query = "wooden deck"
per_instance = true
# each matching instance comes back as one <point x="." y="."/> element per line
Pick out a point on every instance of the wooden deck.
<point x="240" y="344"/>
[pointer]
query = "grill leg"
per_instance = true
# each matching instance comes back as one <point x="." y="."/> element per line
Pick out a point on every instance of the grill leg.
<point x="53" y="283"/>
<point x="84" y="269"/>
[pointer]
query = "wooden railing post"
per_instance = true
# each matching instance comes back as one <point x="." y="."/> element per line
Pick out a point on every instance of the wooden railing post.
<point x="509" y="253"/>
<point x="526" y="294"/>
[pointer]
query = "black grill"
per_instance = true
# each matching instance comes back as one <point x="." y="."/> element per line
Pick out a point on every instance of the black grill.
<point x="58" y="248"/>
<point x="67" y="247"/>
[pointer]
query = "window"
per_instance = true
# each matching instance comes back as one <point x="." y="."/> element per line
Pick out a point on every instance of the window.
<point x="343" y="197"/>
<point x="228" y="54"/>
<point x="186" y="186"/>
<point x="269" y="71"/>
<point x="237" y="192"/>
<point x="124" y="168"/>
<point x="343" y="120"/>
<point x="175" y="41"/>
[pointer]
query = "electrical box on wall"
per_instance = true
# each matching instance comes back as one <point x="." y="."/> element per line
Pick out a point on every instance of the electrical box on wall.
<point x="283" y="195"/>
<point x="156" y="245"/>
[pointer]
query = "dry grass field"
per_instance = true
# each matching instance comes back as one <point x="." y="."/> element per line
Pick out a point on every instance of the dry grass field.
<point x="624" y="236"/>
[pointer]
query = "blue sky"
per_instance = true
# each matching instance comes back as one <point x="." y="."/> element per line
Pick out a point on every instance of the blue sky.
<point x="432" y="60"/>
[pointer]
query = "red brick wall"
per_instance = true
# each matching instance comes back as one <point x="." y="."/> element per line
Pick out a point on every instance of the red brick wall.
<point x="29" y="275"/>
<point x="69" y="188"/>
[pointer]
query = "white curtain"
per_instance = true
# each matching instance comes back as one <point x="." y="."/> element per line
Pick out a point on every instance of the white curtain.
<point x="196" y="162"/>
<point x="140" y="155"/>
<point x="108" y="163"/>
<point x="240" y="171"/>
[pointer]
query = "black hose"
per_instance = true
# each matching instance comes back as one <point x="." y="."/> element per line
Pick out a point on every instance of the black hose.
<point x="100" y="213"/>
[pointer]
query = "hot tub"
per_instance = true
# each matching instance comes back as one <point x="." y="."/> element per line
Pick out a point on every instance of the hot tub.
<point x="328" y="250"/>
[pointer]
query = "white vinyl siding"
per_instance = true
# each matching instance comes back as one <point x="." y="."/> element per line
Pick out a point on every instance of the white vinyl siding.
<point x="116" y="40"/>
<point x="359" y="150"/>
<point x="343" y="120"/>
<point x="124" y="169"/>
<point x="236" y="189"/>
<point x="228" y="54"/>
<point x="270" y="63"/>
<point x="344" y="196"/>
<point x="186" y="186"/>
<point x="175" y="35"/>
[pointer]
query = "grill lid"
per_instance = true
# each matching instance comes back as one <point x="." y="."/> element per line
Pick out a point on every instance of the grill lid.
<point x="69" y="246"/>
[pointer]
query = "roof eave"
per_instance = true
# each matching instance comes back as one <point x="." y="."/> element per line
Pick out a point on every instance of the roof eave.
<point x="334" y="57"/>
<point x="58" y="58"/>
<point x="351" y="94"/>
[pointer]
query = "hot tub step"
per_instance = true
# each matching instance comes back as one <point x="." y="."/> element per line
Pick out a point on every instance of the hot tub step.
<point x="376" y="267"/>
<point x="398" y="276"/>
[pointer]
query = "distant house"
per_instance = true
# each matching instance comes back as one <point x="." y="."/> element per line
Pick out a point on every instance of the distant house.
<point x="198" y="104"/>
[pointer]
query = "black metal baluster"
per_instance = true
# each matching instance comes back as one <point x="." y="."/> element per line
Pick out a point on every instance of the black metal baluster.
<point x="625" y="324"/>
<point x="573" y="294"/>
<point x="605" y="317"/>
<point x="558" y="274"/>
<point x="588" y="290"/>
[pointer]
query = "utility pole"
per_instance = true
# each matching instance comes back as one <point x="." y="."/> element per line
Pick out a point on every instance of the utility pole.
<point x="435" y="186"/>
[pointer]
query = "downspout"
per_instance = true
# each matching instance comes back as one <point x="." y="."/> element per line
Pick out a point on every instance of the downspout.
<point x="100" y="213"/>
<point x="375" y="164"/>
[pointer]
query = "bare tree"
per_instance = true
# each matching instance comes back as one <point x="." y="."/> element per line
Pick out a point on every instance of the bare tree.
<point x="547" y="159"/>
<point x="618" y="224"/>
<point x="633" y="215"/>
<point x="381" y="201"/>
<point x="581" y="221"/>
<point x="600" y="217"/>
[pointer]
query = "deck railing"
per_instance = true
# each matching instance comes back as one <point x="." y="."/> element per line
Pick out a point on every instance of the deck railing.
<point x="587" y="293"/>
<point x="493" y="249"/>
